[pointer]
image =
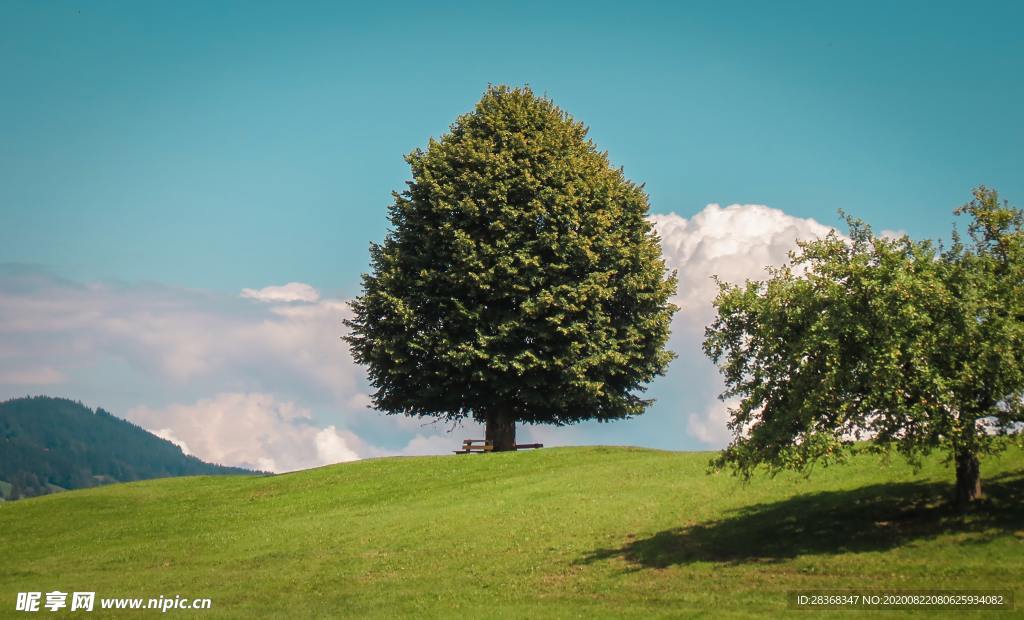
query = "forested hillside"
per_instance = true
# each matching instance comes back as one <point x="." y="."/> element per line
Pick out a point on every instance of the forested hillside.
<point x="51" y="444"/>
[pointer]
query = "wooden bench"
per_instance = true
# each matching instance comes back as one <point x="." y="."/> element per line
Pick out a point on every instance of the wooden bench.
<point x="481" y="446"/>
<point x="475" y="445"/>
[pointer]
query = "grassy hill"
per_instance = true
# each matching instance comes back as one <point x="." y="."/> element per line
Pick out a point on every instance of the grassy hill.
<point x="572" y="532"/>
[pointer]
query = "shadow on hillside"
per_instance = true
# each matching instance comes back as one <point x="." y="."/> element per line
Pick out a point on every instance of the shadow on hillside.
<point x="872" y="518"/>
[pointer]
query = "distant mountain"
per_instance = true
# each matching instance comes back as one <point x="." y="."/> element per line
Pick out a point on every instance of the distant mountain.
<point x="53" y="444"/>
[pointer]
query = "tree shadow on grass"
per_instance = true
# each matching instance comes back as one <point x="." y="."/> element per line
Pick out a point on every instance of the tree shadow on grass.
<point x="871" y="518"/>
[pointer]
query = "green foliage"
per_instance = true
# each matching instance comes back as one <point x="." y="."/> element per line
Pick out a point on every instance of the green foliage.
<point x="903" y="342"/>
<point x="520" y="275"/>
<point x="554" y="533"/>
<point x="47" y="442"/>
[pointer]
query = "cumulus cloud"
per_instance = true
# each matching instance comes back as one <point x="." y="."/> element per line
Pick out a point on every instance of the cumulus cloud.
<point x="709" y="425"/>
<point x="270" y="385"/>
<point x="168" y="434"/>
<point x="735" y="243"/>
<point x="258" y="431"/>
<point x="293" y="291"/>
<point x="251" y="430"/>
<point x="331" y="447"/>
<point x="424" y="445"/>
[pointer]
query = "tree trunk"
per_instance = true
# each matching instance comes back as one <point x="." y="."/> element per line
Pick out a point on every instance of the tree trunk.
<point x="968" y="477"/>
<point x="501" y="430"/>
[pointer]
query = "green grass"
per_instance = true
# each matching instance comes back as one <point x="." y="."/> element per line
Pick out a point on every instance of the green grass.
<point x="571" y="532"/>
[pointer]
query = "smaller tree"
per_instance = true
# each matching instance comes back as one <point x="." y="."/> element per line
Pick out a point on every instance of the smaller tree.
<point x="900" y="342"/>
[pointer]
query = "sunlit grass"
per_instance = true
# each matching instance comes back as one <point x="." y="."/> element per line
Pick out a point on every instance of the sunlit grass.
<point x="571" y="532"/>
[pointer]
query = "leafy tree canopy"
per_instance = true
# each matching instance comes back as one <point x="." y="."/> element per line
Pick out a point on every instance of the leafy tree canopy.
<point x="904" y="343"/>
<point x="520" y="280"/>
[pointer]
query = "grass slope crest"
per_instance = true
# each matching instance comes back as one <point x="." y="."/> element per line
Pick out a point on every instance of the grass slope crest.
<point x="553" y="533"/>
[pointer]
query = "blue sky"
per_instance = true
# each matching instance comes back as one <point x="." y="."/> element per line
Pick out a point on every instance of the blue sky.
<point x="212" y="147"/>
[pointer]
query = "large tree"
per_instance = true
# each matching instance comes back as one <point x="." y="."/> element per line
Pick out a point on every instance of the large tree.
<point x="900" y="342"/>
<point x="520" y="280"/>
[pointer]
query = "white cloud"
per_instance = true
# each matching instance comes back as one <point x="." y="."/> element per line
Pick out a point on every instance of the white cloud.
<point x="250" y="430"/>
<point x="228" y="381"/>
<point x="331" y="447"/>
<point x="735" y="243"/>
<point x="260" y="432"/>
<point x="709" y="426"/>
<point x="422" y="445"/>
<point x="43" y="375"/>
<point x="168" y="434"/>
<point x="892" y="234"/>
<point x="293" y="291"/>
